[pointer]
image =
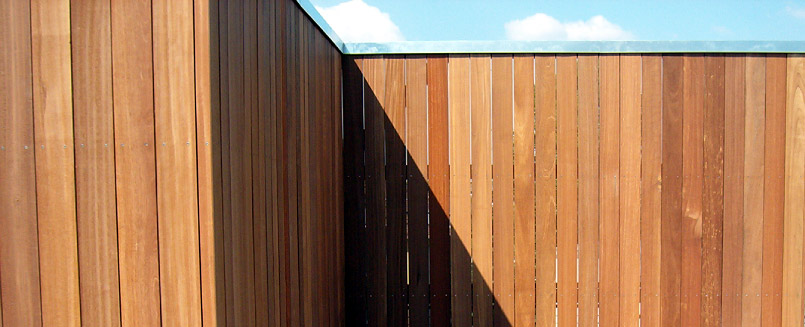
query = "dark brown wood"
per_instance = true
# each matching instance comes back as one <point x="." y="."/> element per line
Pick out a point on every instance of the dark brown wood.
<point x="439" y="187"/>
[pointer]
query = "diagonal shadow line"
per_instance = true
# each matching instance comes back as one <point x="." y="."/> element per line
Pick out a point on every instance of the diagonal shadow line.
<point x="409" y="289"/>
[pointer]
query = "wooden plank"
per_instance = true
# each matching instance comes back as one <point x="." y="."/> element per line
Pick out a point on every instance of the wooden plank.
<point x="20" y="297"/>
<point x="460" y="189"/>
<point x="753" y="188"/>
<point x="292" y="151"/>
<point x="55" y="172"/>
<point x="394" y="122"/>
<point x="651" y="190"/>
<point x="545" y="100"/>
<point x="355" y="287"/>
<point x="713" y="190"/>
<point x="135" y="164"/>
<point x="629" y="187"/>
<point x="481" y="147"/>
<point x="174" y="102"/>
<point x="588" y="189"/>
<point x="734" y="104"/>
<point x="267" y="93"/>
<point x="374" y="92"/>
<point x="307" y="181"/>
<point x="692" y="165"/>
<point x="609" y="163"/>
<point x="774" y="192"/>
<point x="567" y="187"/>
<point x="208" y="136"/>
<point x="339" y="186"/>
<point x="524" y="205"/>
<point x="671" y="198"/>
<point x="794" y="192"/>
<point x="503" y="186"/>
<point x="95" y="163"/>
<point x="416" y="95"/>
<point x="439" y="185"/>
<point x="226" y="180"/>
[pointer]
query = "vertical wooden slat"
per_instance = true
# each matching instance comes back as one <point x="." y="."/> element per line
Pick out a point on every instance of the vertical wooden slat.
<point x="753" y="190"/>
<point x="374" y="92"/>
<point x="394" y="122"/>
<point x="19" y="251"/>
<point x="651" y="190"/>
<point x="567" y="188"/>
<point x="354" y="285"/>
<point x="416" y="96"/>
<point x="439" y="185"/>
<point x="503" y="190"/>
<point x="588" y="189"/>
<point x="135" y="164"/>
<point x="773" y="192"/>
<point x="693" y="120"/>
<point x="609" y="223"/>
<point x="460" y="214"/>
<point x="794" y="192"/>
<point x="226" y="205"/>
<point x="545" y="150"/>
<point x="629" y="189"/>
<point x="339" y="180"/>
<point x="524" y="205"/>
<point x="734" y="104"/>
<point x="55" y="173"/>
<point x="95" y="163"/>
<point x="671" y="197"/>
<point x="292" y="152"/>
<point x="307" y="206"/>
<point x="713" y="190"/>
<point x="481" y="147"/>
<point x="208" y="134"/>
<point x="174" y="102"/>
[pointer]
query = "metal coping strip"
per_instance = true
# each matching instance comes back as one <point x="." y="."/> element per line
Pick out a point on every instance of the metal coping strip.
<point x="446" y="47"/>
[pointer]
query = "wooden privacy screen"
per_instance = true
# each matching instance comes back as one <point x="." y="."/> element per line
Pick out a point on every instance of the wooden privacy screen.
<point x="614" y="189"/>
<point x="168" y="162"/>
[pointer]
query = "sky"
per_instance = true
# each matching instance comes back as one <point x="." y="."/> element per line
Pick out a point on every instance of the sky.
<point x="481" y="20"/>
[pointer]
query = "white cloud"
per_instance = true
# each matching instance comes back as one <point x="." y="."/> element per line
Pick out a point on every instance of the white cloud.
<point x="541" y="27"/>
<point x="796" y="12"/>
<point x="356" y="21"/>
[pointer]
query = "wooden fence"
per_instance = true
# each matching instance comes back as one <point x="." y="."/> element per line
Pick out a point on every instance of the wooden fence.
<point x="168" y="163"/>
<point x="514" y="190"/>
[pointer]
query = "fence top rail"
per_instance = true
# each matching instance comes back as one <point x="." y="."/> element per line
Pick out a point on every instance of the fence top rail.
<point x="511" y="47"/>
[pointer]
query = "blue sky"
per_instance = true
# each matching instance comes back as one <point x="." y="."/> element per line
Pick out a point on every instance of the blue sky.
<point x="420" y="20"/>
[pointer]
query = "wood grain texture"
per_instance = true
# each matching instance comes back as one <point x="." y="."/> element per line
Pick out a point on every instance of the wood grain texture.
<point x="651" y="190"/>
<point x="95" y="163"/>
<point x="692" y="184"/>
<point x="19" y="252"/>
<point x="567" y="187"/>
<point x="55" y="175"/>
<point x="753" y="188"/>
<point x="135" y="164"/>
<point x="609" y="280"/>
<point x="734" y="115"/>
<point x="588" y="189"/>
<point x="355" y="265"/>
<point x="174" y="110"/>
<point x="671" y="198"/>
<point x="629" y="188"/>
<point x="713" y="190"/>
<point x="439" y="185"/>
<point x="395" y="133"/>
<point x="481" y="170"/>
<point x="773" y="192"/>
<point x="545" y="151"/>
<point x="794" y="192"/>
<point x="374" y="92"/>
<point x="268" y="99"/>
<point x="524" y="191"/>
<point x="416" y="96"/>
<point x="503" y="189"/>
<point x="460" y="188"/>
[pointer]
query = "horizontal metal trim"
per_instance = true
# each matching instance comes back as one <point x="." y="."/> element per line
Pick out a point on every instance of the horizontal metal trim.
<point x="443" y="47"/>
<point x="314" y="15"/>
